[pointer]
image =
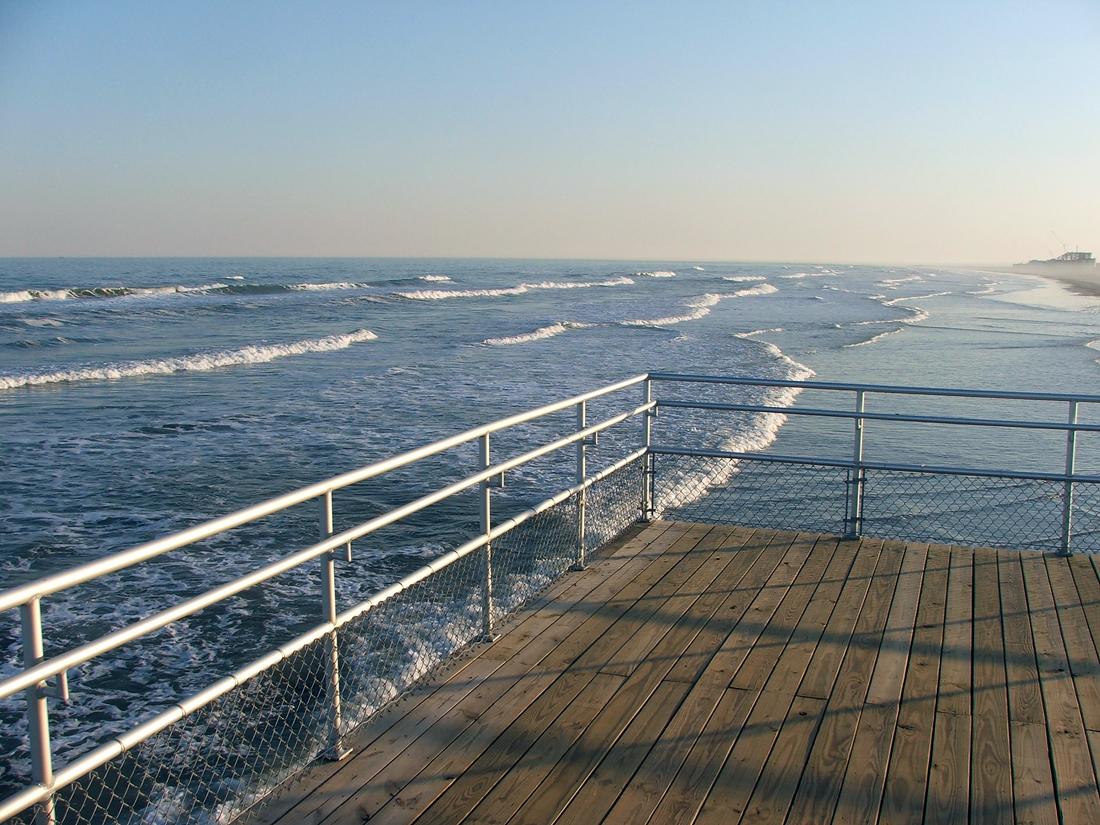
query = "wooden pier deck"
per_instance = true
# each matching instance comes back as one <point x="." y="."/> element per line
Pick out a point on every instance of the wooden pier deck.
<point x="698" y="674"/>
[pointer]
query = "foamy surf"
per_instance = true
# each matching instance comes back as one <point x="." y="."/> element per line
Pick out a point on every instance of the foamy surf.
<point x="660" y="273"/>
<point x="744" y="279"/>
<point x="444" y="294"/>
<point x="700" y="307"/>
<point x="873" y="339"/>
<point x="102" y="292"/>
<point x="537" y="335"/>
<point x="892" y="283"/>
<point x="199" y="362"/>
<point x="760" y="433"/>
<point x="436" y="279"/>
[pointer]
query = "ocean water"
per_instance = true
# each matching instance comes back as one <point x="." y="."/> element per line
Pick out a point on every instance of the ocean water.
<point x="141" y="396"/>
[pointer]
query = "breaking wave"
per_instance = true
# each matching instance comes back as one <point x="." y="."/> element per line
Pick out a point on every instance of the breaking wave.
<point x="199" y="362"/>
<point x="25" y="295"/>
<point x="538" y="334"/>
<point x="443" y="294"/>
<point x="874" y="338"/>
<point x="744" y="279"/>
<point x="433" y="279"/>
<point x="660" y="273"/>
<point x="700" y="307"/>
<point x="892" y="283"/>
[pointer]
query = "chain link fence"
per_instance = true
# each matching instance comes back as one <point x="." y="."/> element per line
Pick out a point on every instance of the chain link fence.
<point x="212" y="765"/>
<point x="967" y="510"/>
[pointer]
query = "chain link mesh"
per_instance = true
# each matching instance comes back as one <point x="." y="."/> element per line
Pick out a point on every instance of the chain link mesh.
<point x="754" y="493"/>
<point x="967" y="510"/>
<point x="212" y="765"/>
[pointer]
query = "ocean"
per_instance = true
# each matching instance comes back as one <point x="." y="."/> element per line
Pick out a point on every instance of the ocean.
<point x="142" y="396"/>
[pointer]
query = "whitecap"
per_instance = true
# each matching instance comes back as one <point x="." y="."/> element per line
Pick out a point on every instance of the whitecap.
<point x="700" y="307"/>
<point x="199" y="362"/>
<point x="537" y="335"/>
<point x="443" y="294"/>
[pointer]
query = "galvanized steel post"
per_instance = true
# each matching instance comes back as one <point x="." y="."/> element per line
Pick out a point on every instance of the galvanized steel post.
<point x="854" y="516"/>
<point x="38" y="718"/>
<point x="486" y="527"/>
<point x="647" y="459"/>
<point x="1067" y="491"/>
<point x="582" y="496"/>
<point x="336" y="750"/>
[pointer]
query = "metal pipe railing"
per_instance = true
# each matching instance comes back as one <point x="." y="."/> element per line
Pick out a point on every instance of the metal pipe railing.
<point x="142" y="552"/>
<point x="857" y="465"/>
<point x="28" y="597"/>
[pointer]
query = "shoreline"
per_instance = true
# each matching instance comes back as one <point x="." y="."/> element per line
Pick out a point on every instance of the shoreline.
<point x="1088" y="287"/>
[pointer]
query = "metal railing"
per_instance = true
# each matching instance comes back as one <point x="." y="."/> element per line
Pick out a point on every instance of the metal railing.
<point x="857" y="467"/>
<point x="38" y="670"/>
<point x="328" y="641"/>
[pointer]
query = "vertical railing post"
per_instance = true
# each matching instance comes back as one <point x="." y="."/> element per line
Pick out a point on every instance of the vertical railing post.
<point x="38" y="718"/>
<point x="484" y="462"/>
<point x="854" y="516"/>
<point x="335" y="750"/>
<point x="1067" y="491"/>
<point x="582" y="474"/>
<point x="648" y="506"/>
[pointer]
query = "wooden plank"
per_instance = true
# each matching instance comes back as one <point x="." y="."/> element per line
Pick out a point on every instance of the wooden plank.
<point x="907" y="774"/>
<point x="846" y="570"/>
<point x="639" y="799"/>
<point x="729" y="795"/>
<point x="991" y="757"/>
<point x="467" y="791"/>
<point x="1033" y="787"/>
<point x="732" y="607"/>
<point x="548" y="799"/>
<point x="779" y="781"/>
<point x="758" y="665"/>
<point x="499" y="804"/>
<point x="817" y="683"/>
<point x="949" y="774"/>
<point x="753" y="618"/>
<point x="602" y="788"/>
<point x="864" y="780"/>
<point x="823" y="779"/>
<point x="955" y="669"/>
<point x="693" y="781"/>
<point x="1084" y="665"/>
<point x="1074" y="777"/>
<point x="1025" y="700"/>
<point x="372" y="780"/>
<point x="1088" y="588"/>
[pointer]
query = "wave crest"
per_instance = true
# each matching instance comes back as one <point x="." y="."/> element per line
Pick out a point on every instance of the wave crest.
<point x="199" y="362"/>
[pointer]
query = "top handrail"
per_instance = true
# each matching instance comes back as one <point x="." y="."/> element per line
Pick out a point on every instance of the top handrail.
<point x="895" y="389"/>
<point x="24" y="593"/>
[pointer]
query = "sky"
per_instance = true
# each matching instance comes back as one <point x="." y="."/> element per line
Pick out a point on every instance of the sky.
<point x="793" y="131"/>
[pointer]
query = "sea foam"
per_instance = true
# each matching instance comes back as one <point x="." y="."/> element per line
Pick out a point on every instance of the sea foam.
<point x="199" y="362"/>
<point x="444" y="294"/>
<point x="700" y="307"/>
<point x="537" y="335"/>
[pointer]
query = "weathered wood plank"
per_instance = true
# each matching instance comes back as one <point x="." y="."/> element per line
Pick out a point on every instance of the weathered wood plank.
<point x="693" y="781"/>
<point x="1033" y="787"/>
<point x="991" y="769"/>
<point x="1074" y="777"/>
<point x="955" y="670"/>
<point x="1025" y="700"/>
<point x="1084" y="665"/>
<point x="825" y="769"/>
<point x="949" y="775"/>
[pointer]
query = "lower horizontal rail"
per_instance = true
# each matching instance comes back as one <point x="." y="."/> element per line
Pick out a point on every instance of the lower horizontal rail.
<point x="874" y="465"/>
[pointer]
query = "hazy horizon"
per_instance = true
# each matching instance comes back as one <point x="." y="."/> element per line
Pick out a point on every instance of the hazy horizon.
<point x="847" y="133"/>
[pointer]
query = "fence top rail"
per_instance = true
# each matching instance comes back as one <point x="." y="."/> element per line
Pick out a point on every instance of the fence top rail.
<point x="126" y="558"/>
<point x="895" y="389"/>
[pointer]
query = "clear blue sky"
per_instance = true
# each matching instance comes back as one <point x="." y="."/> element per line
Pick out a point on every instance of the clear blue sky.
<point x="953" y="131"/>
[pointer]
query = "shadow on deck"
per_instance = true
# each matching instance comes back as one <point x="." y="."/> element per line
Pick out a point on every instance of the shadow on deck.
<point x="698" y="673"/>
